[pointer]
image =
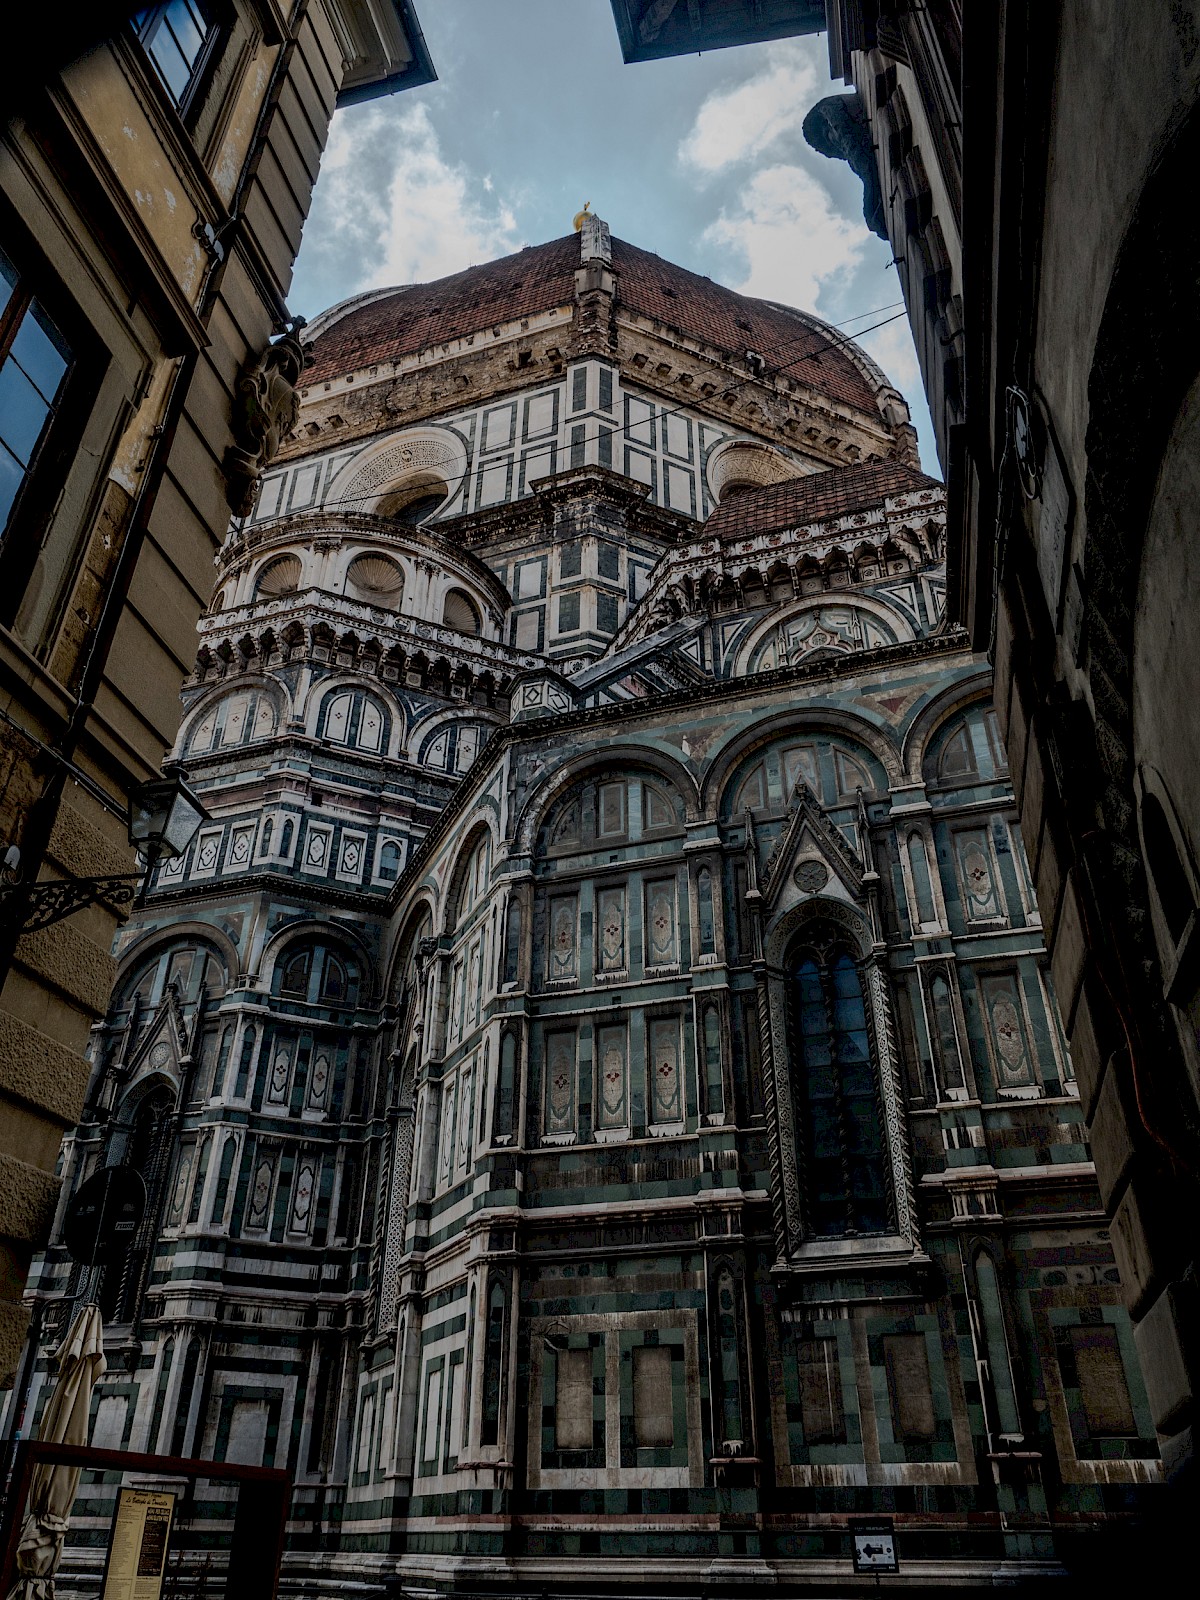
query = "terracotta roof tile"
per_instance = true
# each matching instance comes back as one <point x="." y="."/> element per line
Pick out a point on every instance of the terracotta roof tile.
<point x="542" y="276"/>
<point x="734" y="323"/>
<point x="815" y="498"/>
<point x="427" y="314"/>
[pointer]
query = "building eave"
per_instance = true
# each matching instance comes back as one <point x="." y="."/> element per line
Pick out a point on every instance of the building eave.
<point x="650" y="30"/>
<point x="389" y="50"/>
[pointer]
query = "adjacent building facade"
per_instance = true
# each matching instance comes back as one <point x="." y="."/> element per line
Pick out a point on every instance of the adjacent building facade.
<point x="1033" y="159"/>
<point x="1026" y="163"/>
<point x="597" y="1074"/>
<point x="152" y="193"/>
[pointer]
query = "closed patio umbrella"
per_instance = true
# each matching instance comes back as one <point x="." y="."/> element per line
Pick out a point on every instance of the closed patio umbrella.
<point x="81" y="1364"/>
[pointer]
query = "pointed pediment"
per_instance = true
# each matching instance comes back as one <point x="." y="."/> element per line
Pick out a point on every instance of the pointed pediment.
<point x="163" y="1041"/>
<point x="811" y="857"/>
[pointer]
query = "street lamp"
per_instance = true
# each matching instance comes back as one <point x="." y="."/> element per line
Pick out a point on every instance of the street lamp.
<point x="163" y="818"/>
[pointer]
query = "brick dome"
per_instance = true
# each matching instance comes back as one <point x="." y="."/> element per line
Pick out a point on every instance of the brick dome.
<point x="388" y="326"/>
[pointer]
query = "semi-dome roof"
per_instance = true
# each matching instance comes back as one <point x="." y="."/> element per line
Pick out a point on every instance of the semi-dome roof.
<point x="815" y="498"/>
<point x="391" y="324"/>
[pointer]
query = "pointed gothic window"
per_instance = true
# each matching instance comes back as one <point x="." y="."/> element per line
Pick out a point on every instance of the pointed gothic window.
<point x="148" y="1151"/>
<point x="922" y="887"/>
<point x="837" y="1101"/>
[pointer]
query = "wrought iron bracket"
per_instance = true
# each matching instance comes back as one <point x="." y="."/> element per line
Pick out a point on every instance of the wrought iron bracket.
<point x="40" y="904"/>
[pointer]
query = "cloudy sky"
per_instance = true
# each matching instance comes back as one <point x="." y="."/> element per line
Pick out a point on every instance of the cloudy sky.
<point x="700" y="159"/>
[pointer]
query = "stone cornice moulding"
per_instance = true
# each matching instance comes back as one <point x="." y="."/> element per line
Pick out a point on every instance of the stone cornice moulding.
<point x="368" y="624"/>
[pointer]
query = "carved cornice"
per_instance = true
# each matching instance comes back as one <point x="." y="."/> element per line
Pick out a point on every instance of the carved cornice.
<point x="369" y="625"/>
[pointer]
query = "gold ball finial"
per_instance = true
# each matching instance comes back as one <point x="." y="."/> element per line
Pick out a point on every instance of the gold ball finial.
<point x="579" y="216"/>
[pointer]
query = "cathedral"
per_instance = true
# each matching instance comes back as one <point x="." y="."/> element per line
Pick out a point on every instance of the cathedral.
<point x="603" y="1105"/>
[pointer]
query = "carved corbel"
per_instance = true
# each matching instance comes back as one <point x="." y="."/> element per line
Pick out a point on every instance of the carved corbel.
<point x="265" y="410"/>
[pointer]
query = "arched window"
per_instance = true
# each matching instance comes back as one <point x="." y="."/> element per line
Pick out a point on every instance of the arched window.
<point x="296" y="971"/>
<point x="730" y="1343"/>
<point x="189" y="970"/>
<point x="493" y="1364"/>
<point x="1006" y="1415"/>
<point x="268" y="833"/>
<point x="946" y="1034"/>
<point x="918" y="863"/>
<point x="241" y="1087"/>
<point x="958" y="759"/>
<point x="356" y="719"/>
<point x="704" y="895"/>
<point x="313" y="973"/>
<point x="193" y="1215"/>
<point x="160" y="1392"/>
<point x="285" y="839"/>
<point x="475" y="876"/>
<point x="612" y="810"/>
<point x="235" y="720"/>
<point x="512" y="940"/>
<point x="833" y="773"/>
<point x="389" y="861"/>
<point x="461" y="613"/>
<point x="183" y="1403"/>
<point x="224" y="1176"/>
<point x="417" y="500"/>
<point x="968" y="749"/>
<point x="836" y="1096"/>
<point x="485" y="1082"/>
<point x="335" y="981"/>
<point x="714" y="1083"/>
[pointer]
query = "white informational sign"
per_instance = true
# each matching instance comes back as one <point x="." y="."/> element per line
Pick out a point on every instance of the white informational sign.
<point x="874" y="1549"/>
<point x="137" y="1551"/>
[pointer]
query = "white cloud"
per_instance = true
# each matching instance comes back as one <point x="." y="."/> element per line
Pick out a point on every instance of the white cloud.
<point x="391" y="209"/>
<point x="792" y="240"/>
<point x="739" y="124"/>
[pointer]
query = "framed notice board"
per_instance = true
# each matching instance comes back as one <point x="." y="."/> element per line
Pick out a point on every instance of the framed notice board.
<point x="254" y="1544"/>
<point x="137" y="1549"/>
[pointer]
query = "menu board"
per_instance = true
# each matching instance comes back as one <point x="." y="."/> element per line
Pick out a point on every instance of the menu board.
<point x="137" y="1550"/>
